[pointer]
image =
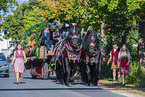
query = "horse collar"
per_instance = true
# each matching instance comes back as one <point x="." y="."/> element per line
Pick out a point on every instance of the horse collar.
<point x="92" y="44"/>
<point x="92" y="60"/>
<point x="75" y="36"/>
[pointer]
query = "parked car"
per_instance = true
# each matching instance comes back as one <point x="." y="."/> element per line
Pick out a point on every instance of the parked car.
<point x="4" y="66"/>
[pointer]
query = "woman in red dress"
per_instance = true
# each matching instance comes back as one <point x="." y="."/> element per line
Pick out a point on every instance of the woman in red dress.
<point x="18" y="61"/>
<point x="124" y="60"/>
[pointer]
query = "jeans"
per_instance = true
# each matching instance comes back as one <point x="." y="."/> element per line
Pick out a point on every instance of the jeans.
<point x="49" y="44"/>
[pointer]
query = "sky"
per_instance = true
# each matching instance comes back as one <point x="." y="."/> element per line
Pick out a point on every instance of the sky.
<point x="19" y="1"/>
<point x="11" y="13"/>
<point x="4" y="44"/>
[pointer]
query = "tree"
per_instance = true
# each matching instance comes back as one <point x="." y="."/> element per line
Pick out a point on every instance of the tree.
<point x="5" y="4"/>
<point x="138" y="9"/>
<point x="14" y="25"/>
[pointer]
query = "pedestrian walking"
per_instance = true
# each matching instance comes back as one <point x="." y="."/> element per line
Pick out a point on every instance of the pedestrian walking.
<point x="18" y="62"/>
<point x="124" y="60"/>
<point x="114" y="60"/>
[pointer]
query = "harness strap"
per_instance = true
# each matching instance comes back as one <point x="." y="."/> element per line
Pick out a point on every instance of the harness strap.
<point x="92" y="59"/>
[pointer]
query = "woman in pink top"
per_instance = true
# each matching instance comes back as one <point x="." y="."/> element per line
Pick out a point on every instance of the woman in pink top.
<point x="19" y="67"/>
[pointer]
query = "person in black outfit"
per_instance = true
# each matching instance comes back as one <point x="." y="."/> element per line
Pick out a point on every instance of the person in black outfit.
<point x="47" y="38"/>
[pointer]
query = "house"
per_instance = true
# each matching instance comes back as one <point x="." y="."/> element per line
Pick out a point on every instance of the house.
<point x="5" y="44"/>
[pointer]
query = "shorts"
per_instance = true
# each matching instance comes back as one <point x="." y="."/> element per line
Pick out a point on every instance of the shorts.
<point x="114" y="65"/>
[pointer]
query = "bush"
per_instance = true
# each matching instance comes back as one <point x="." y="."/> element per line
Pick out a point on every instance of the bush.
<point x="137" y="77"/>
<point x="106" y="71"/>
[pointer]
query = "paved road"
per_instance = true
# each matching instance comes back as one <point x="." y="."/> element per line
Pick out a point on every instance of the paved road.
<point x="47" y="88"/>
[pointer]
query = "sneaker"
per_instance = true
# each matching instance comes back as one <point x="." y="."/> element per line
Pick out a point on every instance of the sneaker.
<point x="114" y="79"/>
<point x="118" y="79"/>
<point x="123" y="84"/>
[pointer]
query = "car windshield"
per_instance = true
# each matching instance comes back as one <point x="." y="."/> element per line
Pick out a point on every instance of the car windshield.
<point x="2" y="57"/>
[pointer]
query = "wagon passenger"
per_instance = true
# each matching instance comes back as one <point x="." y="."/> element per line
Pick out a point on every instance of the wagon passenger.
<point x="47" y="38"/>
<point x="56" y="35"/>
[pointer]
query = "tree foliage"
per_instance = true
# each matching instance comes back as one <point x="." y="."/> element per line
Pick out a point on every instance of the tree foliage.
<point x="5" y="4"/>
<point x="119" y="16"/>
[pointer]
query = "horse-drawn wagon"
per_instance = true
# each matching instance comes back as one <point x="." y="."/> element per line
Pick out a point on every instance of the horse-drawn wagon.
<point x="38" y="57"/>
<point x="72" y="53"/>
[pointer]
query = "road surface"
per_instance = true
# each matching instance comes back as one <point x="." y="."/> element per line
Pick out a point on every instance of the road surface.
<point x="48" y="88"/>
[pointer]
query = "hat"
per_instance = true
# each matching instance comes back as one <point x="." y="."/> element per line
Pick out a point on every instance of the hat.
<point x="114" y="42"/>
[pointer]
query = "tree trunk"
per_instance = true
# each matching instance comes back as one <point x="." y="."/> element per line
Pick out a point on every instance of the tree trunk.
<point x="142" y="41"/>
<point x="124" y="38"/>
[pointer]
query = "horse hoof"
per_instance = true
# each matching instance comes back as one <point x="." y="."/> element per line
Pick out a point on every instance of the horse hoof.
<point x="56" y="80"/>
<point x="73" y="83"/>
<point x="96" y="84"/>
<point x="91" y="84"/>
<point x="70" y="85"/>
<point x="63" y="83"/>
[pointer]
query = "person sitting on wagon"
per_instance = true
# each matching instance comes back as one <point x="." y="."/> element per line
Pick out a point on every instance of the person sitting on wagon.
<point x="65" y="32"/>
<point x="56" y="35"/>
<point x="47" y="38"/>
<point x="31" y="44"/>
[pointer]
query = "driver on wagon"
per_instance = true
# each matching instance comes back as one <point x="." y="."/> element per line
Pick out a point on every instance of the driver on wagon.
<point x="47" y="38"/>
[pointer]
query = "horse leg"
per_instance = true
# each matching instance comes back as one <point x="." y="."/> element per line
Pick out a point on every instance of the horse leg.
<point x="57" y="71"/>
<point x="64" y="74"/>
<point x="68" y="70"/>
<point x="92" y="72"/>
<point x="73" y="71"/>
<point x="96" y="75"/>
<point x="88" y="74"/>
<point x="83" y="72"/>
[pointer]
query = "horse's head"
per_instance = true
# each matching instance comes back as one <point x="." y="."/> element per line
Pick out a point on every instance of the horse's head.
<point x="92" y="42"/>
<point x="74" y="36"/>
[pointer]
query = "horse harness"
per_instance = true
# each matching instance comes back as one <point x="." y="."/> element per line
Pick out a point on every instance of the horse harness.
<point x="73" y="54"/>
<point x="92" y="58"/>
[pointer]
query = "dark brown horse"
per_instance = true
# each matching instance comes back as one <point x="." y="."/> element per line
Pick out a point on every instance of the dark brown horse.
<point x="91" y="56"/>
<point x="72" y="53"/>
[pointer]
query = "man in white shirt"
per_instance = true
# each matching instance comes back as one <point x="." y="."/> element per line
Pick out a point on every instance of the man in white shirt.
<point x="114" y="60"/>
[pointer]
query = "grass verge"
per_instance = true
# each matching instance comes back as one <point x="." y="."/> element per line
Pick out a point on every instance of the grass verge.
<point x="129" y="90"/>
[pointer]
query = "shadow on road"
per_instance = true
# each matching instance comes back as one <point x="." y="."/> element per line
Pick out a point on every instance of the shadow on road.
<point x="42" y="89"/>
<point x="20" y="83"/>
<point x="39" y="77"/>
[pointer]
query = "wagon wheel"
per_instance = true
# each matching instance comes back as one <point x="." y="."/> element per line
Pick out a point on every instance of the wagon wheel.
<point x="44" y="71"/>
<point x="32" y="72"/>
